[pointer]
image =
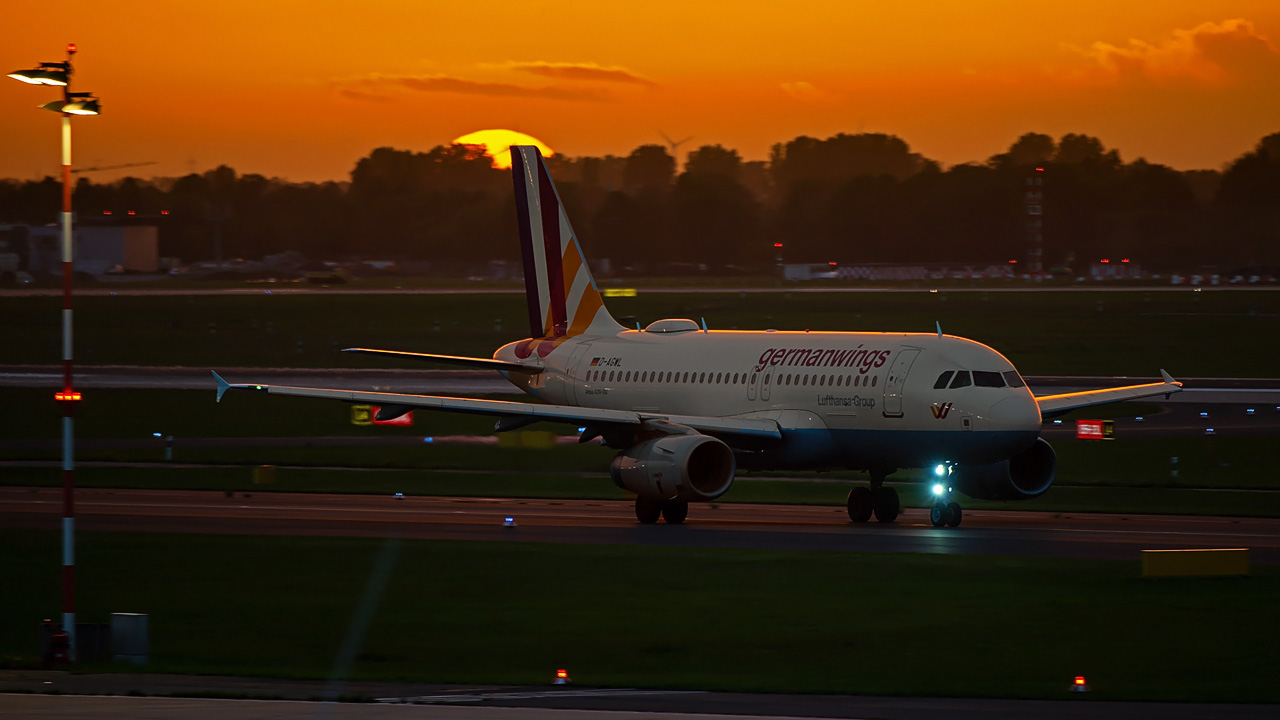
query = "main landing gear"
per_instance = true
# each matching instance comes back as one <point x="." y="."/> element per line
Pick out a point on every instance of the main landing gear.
<point x="673" y="511"/>
<point x="878" y="500"/>
<point x="944" y="511"/>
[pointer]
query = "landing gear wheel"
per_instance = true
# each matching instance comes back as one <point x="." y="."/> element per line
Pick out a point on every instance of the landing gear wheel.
<point x="939" y="515"/>
<point x="884" y="501"/>
<point x="648" y="510"/>
<point x="954" y="514"/>
<point x="860" y="504"/>
<point x="675" y="511"/>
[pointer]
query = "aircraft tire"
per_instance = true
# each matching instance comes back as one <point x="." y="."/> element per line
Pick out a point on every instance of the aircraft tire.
<point x="648" y="510"/>
<point x="675" y="511"/>
<point x="954" y="514"/>
<point x="860" y="504"/>
<point x="938" y="515"/>
<point x="884" y="502"/>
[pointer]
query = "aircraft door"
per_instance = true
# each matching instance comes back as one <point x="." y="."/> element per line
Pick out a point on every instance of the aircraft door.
<point x="897" y="380"/>
<point x="576" y="377"/>
<point x="764" y="383"/>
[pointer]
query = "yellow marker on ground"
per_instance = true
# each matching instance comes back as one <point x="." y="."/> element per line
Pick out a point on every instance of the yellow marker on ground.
<point x="1190" y="563"/>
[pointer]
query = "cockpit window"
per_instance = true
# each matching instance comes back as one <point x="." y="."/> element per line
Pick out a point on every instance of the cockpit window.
<point x="943" y="379"/>
<point x="984" y="378"/>
<point x="962" y="380"/>
<point x="1013" y="378"/>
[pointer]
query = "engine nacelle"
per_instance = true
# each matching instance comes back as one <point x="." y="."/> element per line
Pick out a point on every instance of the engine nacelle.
<point x="687" y="467"/>
<point x="1022" y="477"/>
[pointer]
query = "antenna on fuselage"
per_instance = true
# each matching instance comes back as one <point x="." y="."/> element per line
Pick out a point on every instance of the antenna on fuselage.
<point x="704" y="325"/>
<point x="938" y="324"/>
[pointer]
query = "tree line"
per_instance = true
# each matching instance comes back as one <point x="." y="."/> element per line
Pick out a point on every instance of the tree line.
<point x="850" y="199"/>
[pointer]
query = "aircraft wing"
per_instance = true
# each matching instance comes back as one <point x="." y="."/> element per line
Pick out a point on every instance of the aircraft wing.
<point x="476" y="363"/>
<point x="1051" y="405"/>
<point x="398" y="404"/>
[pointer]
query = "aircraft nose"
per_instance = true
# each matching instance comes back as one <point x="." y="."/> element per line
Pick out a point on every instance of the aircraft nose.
<point x="1015" y="413"/>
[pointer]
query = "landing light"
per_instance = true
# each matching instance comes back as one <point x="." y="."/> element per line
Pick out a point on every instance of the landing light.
<point x="939" y="489"/>
<point x="940" y="470"/>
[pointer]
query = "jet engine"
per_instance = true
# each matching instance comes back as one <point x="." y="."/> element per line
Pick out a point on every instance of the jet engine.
<point x="685" y="467"/>
<point x="1022" y="477"/>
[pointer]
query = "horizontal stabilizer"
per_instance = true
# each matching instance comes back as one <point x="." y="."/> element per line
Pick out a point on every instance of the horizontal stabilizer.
<point x="469" y="362"/>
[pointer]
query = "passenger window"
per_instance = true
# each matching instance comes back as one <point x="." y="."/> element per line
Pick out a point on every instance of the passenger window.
<point x="943" y="379"/>
<point x="985" y="378"/>
<point x="1013" y="378"/>
<point x="873" y="381"/>
<point x="719" y="378"/>
<point x="962" y="380"/>
<point x="686" y="377"/>
<point x="704" y="378"/>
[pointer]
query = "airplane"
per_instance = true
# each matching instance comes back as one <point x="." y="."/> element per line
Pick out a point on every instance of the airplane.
<point x="688" y="407"/>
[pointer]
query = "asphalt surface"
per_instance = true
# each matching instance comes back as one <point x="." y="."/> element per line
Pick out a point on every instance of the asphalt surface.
<point x="789" y="527"/>
<point x="97" y="697"/>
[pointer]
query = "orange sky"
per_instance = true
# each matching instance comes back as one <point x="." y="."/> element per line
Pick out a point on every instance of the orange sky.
<point x="302" y="90"/>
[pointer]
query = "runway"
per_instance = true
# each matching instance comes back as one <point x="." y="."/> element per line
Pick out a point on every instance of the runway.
<point x="772" y="527"/>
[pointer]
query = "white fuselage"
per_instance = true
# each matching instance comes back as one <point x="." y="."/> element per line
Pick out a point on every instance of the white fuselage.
<point x="841" y="400"/>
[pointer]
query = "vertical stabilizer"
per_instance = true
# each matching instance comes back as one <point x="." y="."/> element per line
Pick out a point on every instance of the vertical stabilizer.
<point x="562" y="296"/>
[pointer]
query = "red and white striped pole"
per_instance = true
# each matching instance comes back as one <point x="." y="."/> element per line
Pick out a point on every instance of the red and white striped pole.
<point x="68" y="397"/>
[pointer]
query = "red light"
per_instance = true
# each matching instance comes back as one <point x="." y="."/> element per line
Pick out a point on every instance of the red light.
<point x="832" y="263"/>
<point x="71" y="47"/>
<point x="164" y="212"/>
<point x="1079" y="680"/>
<point x="1013" y="262"/>
<point x="1039" y="169"/>
<point x="1104" y="260"/>
<point x="562" y="674"/>
<point x="67" y="396"/>
<point x="1125" y="260"/>
<point x="106" y="212"/>
<point x="777" y="244"/>
<point x="133" y="212"/>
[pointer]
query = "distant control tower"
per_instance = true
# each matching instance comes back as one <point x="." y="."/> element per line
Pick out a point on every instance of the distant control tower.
<point x="1033" y="202"/>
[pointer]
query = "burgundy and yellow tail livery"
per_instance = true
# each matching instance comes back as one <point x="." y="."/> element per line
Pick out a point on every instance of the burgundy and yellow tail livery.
<point x="563" y="300"/>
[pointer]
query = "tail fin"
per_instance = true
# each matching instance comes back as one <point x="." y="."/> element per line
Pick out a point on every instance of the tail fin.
<point x="562" y="296"/>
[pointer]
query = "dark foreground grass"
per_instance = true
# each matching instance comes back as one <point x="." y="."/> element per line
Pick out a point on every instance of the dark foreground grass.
<point x="663" y="617"/>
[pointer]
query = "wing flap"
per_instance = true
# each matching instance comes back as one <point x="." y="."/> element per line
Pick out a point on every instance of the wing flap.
<point x="1058" y="404"/>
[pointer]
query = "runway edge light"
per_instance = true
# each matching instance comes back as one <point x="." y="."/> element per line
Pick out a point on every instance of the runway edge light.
<point x="562" y="677"/>
<point x="1079" y="685"/>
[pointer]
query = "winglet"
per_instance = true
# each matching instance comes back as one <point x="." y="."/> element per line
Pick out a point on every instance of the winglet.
<point x="704" y="325"/>
<point x="938" y="324"/>
<point x="223" y="385"/>
<point x="1168" y="379"/>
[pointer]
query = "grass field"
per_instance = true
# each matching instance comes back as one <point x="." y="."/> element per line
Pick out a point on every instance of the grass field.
<point x="663" y="617"/>
<point x="1043" y="333"/>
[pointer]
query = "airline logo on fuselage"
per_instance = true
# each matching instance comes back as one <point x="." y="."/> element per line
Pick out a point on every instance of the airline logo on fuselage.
<point x="940" y="410"/>
<point x="863" y="359"/>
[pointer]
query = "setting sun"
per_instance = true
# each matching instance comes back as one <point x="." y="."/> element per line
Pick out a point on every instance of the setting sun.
<point x="497" y="142"/>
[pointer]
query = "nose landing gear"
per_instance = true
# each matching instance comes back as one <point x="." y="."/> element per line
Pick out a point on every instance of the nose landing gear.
<point x="944" y="511"/>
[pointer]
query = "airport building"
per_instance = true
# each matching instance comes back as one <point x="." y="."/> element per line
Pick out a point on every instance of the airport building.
<point x="98" y="250"/>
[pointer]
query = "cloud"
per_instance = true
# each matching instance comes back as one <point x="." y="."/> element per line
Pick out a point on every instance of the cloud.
<point x="364" y="96"/>
<point x="374" y="86"/>
<point x="1219" y="53"/>
<point x="589" y="72"/>
<point x="801" y="90"/>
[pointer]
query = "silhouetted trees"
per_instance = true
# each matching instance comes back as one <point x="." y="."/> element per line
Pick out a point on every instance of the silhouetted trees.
<point x="849" y="198"/>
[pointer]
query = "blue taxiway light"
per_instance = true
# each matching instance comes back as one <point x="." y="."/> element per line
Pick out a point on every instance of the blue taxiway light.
<point x="428" y="439"/>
